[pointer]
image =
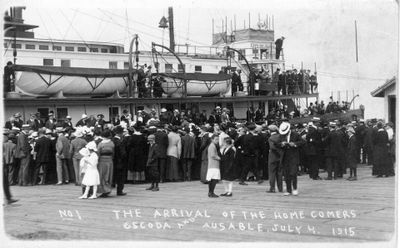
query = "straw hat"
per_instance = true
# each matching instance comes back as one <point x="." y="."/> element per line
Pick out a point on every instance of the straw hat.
<point x="284" y="128"/>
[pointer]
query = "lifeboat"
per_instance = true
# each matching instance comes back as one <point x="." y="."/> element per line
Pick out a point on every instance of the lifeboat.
<point x="76" y="81"/>
<point x="197" y="84"/>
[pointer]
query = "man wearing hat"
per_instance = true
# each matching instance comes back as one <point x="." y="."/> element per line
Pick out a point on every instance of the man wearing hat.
<point x="152" y="164"/>
<point x="161" y="139"/>
<point x="274" y="158"/>
<point x="32" y="122"/>
<point x="67" y="125"/>
<point x="352" y="159"/>
<point x="360" y="135"/>
<point x="175" y="119"/>
<point x="278" y="47"/>
<point x="82" y="122"/>
<point x="42" y="149"/>
<point x="23" y="151"/>
<point x="120" y="159"/>
<point x="39" y="121"/>
<point x="17" y="120"/>
<point x="312" y="147"/>
<point x="51" y="123"/>
<point x="164" y="118"/>
<point x="290" y="142"/>
<point x="252" y="150"/>
<point x="100" y="122"/>
<point x="76" y="145"/>
<point x="188" y="154"/>
<point x="62" y="155"/>
<point x="334" y="150"/>
<point x="9" y="152"/>
<point x="8" y="160"/>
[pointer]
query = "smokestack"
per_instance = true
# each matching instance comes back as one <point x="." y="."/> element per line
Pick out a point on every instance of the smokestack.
<point x="171" y="29"/>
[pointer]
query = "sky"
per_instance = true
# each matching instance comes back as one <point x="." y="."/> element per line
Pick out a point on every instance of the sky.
<point x="317" y="32"/>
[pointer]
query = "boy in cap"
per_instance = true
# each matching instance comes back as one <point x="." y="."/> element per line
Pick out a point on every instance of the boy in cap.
<point x="152" y="164"/>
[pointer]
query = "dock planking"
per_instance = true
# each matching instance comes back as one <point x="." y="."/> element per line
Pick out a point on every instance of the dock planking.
<point x="362" y="210"/>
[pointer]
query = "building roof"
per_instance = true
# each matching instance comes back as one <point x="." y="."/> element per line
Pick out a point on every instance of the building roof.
<point x="380" y="91"/>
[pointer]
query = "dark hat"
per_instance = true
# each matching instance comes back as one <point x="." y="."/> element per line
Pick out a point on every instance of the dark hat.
<point x="118" y="130"/>
<point x="100" y="115"/>
<point x="251" y="126"/>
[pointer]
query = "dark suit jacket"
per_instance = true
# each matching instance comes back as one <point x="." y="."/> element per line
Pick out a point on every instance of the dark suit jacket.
<point x="313" y="139"/>
<point x="335" y="144"/>
<point x="291" y="155"/>
<point x="161" y="139"/>
<point x="152" y="159"/>
<point x="42" y="149"/>
<point x="120" y="153"/>
<point x="279" y="43"/>
<point x="23" y="148"/>
<point x="188" y="147"/>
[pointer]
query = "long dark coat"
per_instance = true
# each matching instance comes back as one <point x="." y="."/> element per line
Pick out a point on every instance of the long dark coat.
<point x="137" y="145"/>
<point x="42" y="149"/>
<point x="291" y="155"/>
<point x="352" y="152"/>
<point x="228" y="165"/>
<point x="120" y="153"/>
<point x="188" y="147"/>
<point x="381" y="164"/>
<point x="161" y="139"/>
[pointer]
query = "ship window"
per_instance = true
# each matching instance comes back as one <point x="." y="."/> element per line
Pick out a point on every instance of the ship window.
<point x="56" y="48"/>
<point x="5" y="45"/>
<point x="126" y="65"/>
<point x="197" y="68"/>
<point x="104" y="50"/>
<point x="113" y="111"/>
<point x="181" y="68"/>
<point x="43" y="47"/>
<point x="243" y="52"/>
<point x="113" y="65"/>
<point x="48" y="62"/>
<point x="62" y="114"/>
<point x="69" y="48"/>
<point x="94" y="50"/>
<point x="168" y="68"/>
<point x="113" y="50"/>
<point x="81" y="49"/>
<point x="30" y="46"/>
<point x="65" y="63"/>
<point x="18" y="46"/>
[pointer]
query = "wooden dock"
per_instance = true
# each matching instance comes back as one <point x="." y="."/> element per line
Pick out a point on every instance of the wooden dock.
<point x="324" y="211"/>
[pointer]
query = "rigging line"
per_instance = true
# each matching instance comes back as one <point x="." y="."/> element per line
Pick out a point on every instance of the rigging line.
<point x="155" y="28"/>
<point x="350" y="76"/>
<point x="141" y="32"/>
<point x="8" y="46"/>
<point x="45" y="26"/>
<point x="75" y="30"/>
<point x="69" y="27"/>
<point x="58" y="30"/>
<point x="166" y="62"/>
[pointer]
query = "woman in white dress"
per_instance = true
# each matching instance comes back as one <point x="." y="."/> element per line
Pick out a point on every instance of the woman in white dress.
<point x="89" y="164"/>
<point x="213" y="172"/>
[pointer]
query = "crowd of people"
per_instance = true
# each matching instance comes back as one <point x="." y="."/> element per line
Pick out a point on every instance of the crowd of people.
<point x="287" y="82"/>
<point x="171" y="147"/>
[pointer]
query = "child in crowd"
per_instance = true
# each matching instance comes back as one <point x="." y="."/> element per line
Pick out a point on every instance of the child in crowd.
<point x="89" y="166"/>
